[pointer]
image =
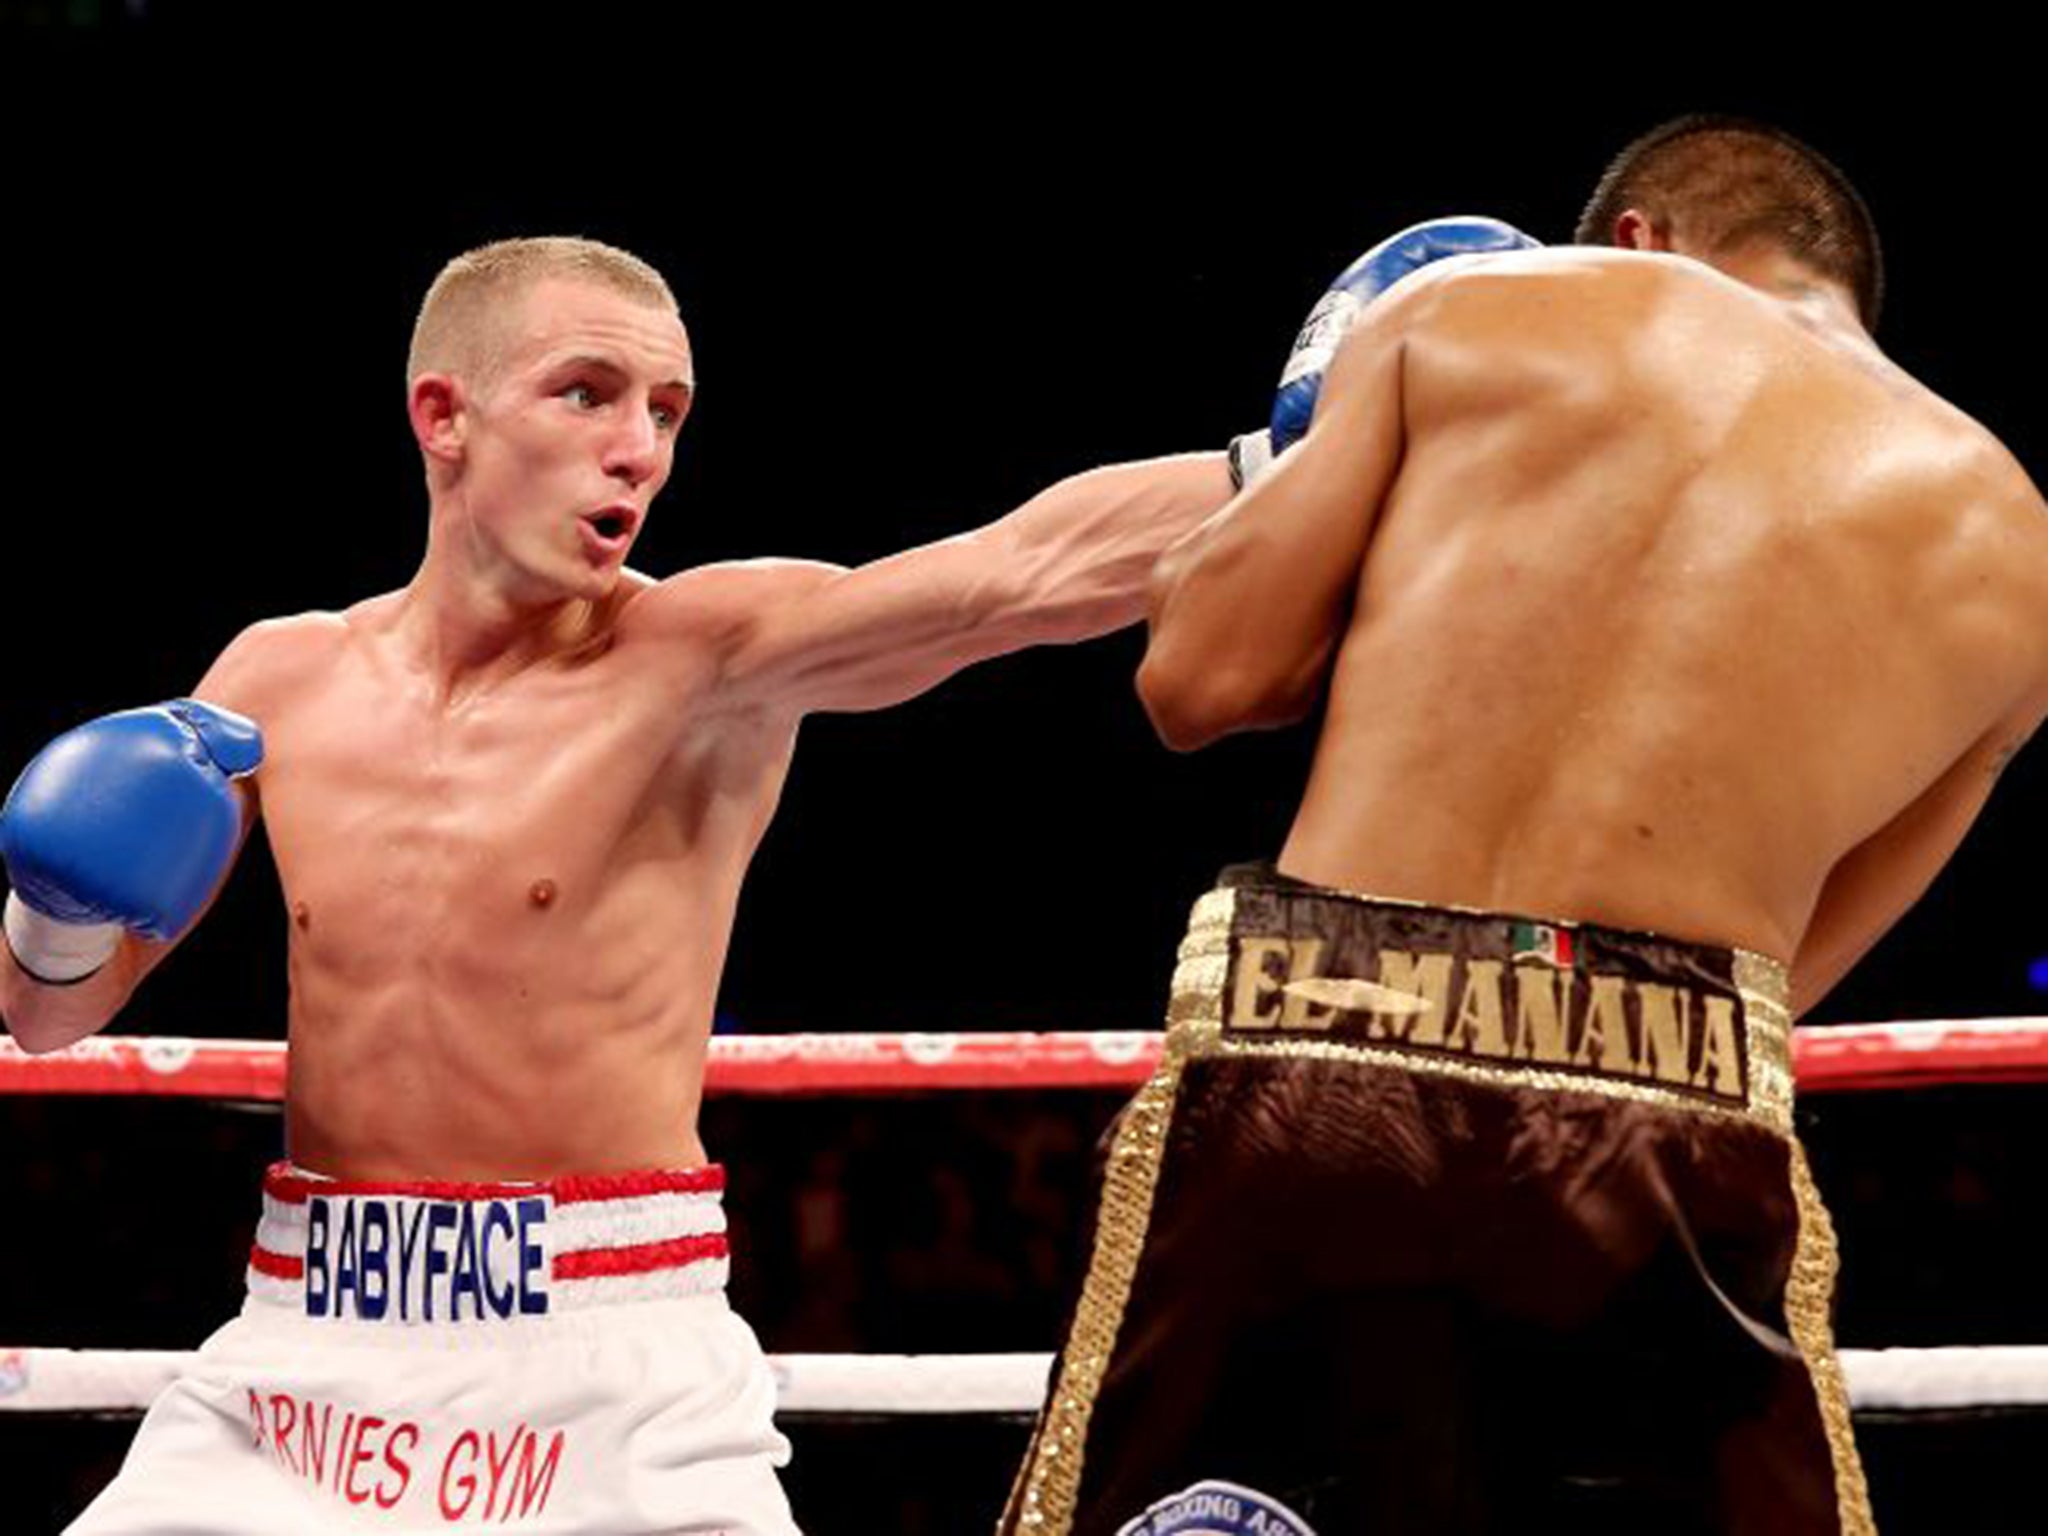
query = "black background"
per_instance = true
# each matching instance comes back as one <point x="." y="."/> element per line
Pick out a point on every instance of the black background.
<point x="928" y="268"/>
<point x="927" y="271"/>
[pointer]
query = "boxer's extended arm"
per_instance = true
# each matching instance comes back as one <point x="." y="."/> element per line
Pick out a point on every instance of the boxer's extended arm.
<point x="1247" y="611"/>
<point x="45" y="1017"/>
<point x="1070" y="564"/>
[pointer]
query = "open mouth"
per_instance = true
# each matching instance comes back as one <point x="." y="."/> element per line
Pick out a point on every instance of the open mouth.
<point x="608" y="532"/>
<point x="610" y="529"/>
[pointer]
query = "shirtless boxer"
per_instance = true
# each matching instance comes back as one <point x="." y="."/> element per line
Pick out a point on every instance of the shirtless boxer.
<point x="1672" y="637"/>
<point x="511" y="807"/>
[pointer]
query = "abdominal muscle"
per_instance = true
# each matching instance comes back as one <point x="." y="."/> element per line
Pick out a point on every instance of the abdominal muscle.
<point x="501" y="1055"/>
<point x="507" y="923"/>
<point x="462" y="1099"/>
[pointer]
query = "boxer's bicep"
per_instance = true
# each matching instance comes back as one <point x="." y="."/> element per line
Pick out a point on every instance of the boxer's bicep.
<point x="1249" y="611"/>
<point x="243" y="678"/>
<point x="864" y="637"/>
<point x="1071" y="563"/>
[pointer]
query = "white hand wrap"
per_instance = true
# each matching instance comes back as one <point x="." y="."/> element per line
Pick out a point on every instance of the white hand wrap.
<point x="1251" y="455"/>
<point x="56" y="952"/>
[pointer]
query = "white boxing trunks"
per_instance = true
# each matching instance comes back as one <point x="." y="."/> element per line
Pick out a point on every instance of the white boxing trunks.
<point x="553" y="1356"/>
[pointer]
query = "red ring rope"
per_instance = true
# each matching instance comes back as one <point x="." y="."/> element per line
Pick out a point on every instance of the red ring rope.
<point x="1841" y="1058"/>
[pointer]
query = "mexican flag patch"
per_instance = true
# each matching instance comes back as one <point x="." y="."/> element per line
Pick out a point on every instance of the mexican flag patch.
<point x="1543" y="942"/>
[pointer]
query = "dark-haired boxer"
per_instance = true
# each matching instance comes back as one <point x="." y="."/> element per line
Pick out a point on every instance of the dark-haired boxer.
<point x="511" y="806"/>
<point x="1671" y="638"/>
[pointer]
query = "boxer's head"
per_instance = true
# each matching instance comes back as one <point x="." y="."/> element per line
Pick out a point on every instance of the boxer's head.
<point x="547" y="381"/>
<point x="1735" y="192"/>
<point x="469" y="317"/>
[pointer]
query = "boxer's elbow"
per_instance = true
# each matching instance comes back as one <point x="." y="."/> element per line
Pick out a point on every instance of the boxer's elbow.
<point x="1189" y="708"/>
<point x="38" y="1036"/>
<point x="1180" y="727"/>
<point x="32" y="1044"/>
<point x="42" y="1019"/>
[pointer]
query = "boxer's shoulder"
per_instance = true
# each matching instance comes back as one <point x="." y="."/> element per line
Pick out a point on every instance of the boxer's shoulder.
<point x="1544" y="310"/>
<point x="2015" y="550"/>
<point x="274" y="659"/>
<point x="1969" y="528"/>
<point x="741" y="586"/>
<point x="1573" y="289"/>
<point x="721" y="607"/>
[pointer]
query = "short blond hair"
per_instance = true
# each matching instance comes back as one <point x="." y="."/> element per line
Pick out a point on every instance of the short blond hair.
<point x="460" y="329"/>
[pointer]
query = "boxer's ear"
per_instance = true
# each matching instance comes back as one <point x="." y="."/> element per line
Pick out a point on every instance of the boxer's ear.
<point x="1634" y="230"/>
<point x="436" y="403"/>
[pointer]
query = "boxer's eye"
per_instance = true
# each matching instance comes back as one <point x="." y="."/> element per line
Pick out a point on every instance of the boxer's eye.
<point x="581" y="394"/>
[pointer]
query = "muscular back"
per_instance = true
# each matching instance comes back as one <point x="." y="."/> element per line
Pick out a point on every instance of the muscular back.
<point x="1677" y="598"/>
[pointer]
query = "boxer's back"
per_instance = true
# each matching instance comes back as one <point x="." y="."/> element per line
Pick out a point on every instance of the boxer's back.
<point x="1678" y="597"/>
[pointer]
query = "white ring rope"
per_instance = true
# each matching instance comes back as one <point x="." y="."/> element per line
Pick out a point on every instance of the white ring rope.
<point x="123" y="1380"/>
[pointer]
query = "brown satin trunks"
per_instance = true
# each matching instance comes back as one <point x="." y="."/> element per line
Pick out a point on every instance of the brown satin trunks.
<point x="1440" y="1222"/>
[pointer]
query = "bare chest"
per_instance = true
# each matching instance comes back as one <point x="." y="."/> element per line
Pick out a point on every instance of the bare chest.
<point x="389" y="815"/>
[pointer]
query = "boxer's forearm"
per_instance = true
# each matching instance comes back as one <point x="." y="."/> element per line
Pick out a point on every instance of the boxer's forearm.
<point x="42" y="1017"/>
<point x="1218" y="659"/>
<point x="1079" y="557"/>
<point x="1247" y="614"/>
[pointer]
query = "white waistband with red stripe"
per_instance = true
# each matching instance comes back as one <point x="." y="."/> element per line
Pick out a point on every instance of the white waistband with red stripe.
<point x="433" y="1253"/>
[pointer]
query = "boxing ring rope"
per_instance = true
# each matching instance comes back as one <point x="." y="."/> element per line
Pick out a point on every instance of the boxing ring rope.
<point x="125" y="1380"/>
<point x="1846" y="1058"/>
<point x="1842" y="1058"/>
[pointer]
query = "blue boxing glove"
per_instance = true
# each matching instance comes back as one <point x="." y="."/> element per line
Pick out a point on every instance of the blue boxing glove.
<point x="1338" y="310"/>
<point x="127" y="822"/>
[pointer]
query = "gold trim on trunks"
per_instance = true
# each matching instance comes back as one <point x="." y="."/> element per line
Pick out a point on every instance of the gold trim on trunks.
<point x="1809" y="1308"/>
<point x="1049" y="1483"/>
<point x="1766" y="990"/>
